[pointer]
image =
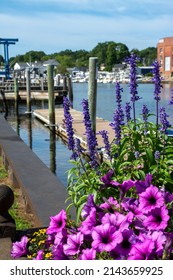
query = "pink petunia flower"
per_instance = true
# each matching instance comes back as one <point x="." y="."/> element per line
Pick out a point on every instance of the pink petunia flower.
<point x="88" y="254"/>
<point x="74" y="242"/>
<point x="105" y="238"/>
<point x="157" y="219"/>
<point x="142" y="250"/>
<point x="150" y="199"/>
<point x="19" y="248"/>
<point x="57" y="223"/>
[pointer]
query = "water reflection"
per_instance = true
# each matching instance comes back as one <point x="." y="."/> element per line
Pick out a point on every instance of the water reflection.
<point x="49" y="147"/>
<point x="52" y="148"/>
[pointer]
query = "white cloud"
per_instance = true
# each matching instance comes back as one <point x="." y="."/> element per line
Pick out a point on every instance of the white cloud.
<point x="53" y="32"/>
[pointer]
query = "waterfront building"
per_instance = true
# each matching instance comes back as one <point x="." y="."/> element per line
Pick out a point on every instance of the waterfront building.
<point x="165" y="56"/>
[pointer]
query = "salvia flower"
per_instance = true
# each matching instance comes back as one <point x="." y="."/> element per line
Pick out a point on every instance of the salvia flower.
<point x="157" y="80"/>
<point x="117" y="123"/>
<point x="136" y="154"/>
<point x="91" y="139"/>
<point x="157" y="87"/>
<point x="171" y="101"/>
<point x="145" y="112"/>
<point x="105" y="138"/>
<point x="163" y="120"/>
<point x="157" y="155"/>
<point x="132" y="61"/>
<point x="127" y="111"/>
<point x="118" y="94"/>
<point x="69" y="126"/>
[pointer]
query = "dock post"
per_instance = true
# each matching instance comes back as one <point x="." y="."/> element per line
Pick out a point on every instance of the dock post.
<point x="28" y="90"/>
<point x="70" y="90"/>
<point x="64" y="83"/>
<point x="92" y="90"/>
<point x="16" y="96"/>
<point x="51" y="102"/>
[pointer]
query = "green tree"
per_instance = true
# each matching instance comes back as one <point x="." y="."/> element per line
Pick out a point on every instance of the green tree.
<point x="111" y="56"/>
<point x="34" y="56"/>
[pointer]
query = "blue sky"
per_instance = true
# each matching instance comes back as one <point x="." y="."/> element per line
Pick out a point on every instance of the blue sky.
<point x="55" y="25"/>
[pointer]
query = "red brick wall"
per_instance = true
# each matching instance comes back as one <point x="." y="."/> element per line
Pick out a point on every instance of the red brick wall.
<point x="165" y="49"/>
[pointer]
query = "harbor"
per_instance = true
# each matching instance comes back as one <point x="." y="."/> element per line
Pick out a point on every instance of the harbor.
<point x="36" y="133"/>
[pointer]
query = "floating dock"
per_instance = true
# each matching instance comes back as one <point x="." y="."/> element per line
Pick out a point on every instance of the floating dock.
<point x="78" y="125"/>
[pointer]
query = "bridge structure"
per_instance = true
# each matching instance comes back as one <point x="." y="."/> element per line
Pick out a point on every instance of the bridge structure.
<point x="6" y="42"/>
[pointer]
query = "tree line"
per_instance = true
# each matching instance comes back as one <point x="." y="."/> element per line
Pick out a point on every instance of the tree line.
<point x="108" y="53"/>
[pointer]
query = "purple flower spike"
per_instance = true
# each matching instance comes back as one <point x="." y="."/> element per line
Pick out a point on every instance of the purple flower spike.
<point x="57" y="223"/>
<point x="127" y="111"/>
<point x="105" y="238"/>
<point x="163" y="120"/>
<point x="171" y="101"/>
<point x="145" y="112"/>
<point x="19" y="248"/>
<point x="105" y="138"/>
<point x="117" y="123"/>
<point x="157" y="80"/>
<point x="157" y="87"/>
<point x="157" y="155"/>
<point x="132" y="61"/>
<point x="74" y="242"/>
<point x="91" y="139"/>
<point x="118" y="94"/>
<point x="69" y="127"/>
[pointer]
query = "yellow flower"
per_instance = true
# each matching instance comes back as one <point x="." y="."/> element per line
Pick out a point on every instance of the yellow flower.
<point x="29" y="256"/>
<point x="48" y="255"/>
<point x="41" y="242"/>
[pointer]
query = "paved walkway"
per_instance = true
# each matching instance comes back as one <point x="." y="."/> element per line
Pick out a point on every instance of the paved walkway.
<point x="78" y="125"/>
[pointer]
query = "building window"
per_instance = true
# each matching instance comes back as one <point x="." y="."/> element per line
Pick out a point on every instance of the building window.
<point x="161" y="61"/>
<point x="161" y="50"/>
<point x="167" y="63"/>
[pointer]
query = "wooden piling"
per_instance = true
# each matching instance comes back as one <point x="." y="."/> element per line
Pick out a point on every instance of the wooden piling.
<point x="64" y="83"/>
<point x="16" y="96"/>
<point x="28" y="90"/>
<point x="51" y="102"/>
<point x="92" y="90"/>
<point x="70" y="90"/>
<point x="4" y="102"/>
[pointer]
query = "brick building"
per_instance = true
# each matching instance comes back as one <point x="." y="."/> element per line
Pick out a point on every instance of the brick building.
<point x="165" y="56"/>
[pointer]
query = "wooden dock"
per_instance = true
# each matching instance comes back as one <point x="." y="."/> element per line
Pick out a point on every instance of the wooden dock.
<point x="78" y="125"/>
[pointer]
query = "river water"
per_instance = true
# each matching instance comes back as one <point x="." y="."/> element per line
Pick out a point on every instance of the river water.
<point x="54" y="152"/>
